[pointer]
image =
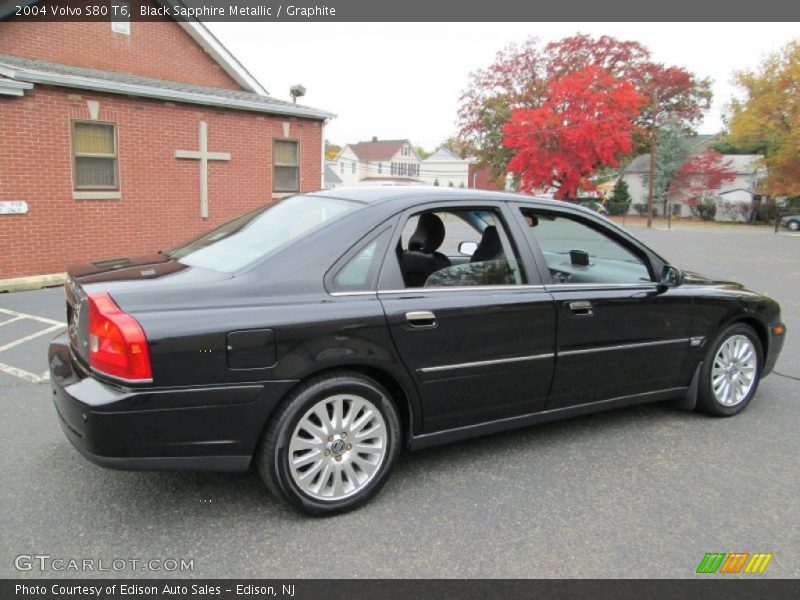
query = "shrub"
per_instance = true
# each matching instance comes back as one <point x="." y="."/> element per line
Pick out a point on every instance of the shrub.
<point x="620" y="200"/>
<point x="792" y="203"/>
<point x="766" y="212"/>
<point x="706" y="209"/>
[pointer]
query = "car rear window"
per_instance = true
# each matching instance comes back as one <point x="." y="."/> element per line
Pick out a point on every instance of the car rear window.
<point x="246" y="239"/>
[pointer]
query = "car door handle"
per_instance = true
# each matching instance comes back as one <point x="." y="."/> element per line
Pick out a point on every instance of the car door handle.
<point x="421" y="318"/>
<point x="581" y="308"/>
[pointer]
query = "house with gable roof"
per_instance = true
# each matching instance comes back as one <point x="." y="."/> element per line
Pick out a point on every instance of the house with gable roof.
<point x="734" y="199"/>
<point x="378" y="162"/>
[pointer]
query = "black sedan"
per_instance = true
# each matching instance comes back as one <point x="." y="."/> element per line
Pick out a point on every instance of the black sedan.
<point x="317" y="337"/>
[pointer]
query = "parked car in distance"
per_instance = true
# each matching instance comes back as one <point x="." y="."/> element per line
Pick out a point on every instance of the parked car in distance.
<point x="317" y="337"/>
<point x="791" y="222"/>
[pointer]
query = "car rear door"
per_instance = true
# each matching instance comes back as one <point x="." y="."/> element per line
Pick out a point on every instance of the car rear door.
<point x="620" y="334"/>
<point x="476" y="352"/>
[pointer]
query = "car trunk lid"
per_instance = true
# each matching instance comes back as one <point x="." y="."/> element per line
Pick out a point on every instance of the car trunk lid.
<point x="124" y="278"/>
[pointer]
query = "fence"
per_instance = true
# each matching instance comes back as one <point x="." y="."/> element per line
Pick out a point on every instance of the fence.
<point x="635" y="215"/>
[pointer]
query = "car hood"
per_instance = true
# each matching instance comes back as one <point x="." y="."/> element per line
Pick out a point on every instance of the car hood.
<point x="692" y="278"/>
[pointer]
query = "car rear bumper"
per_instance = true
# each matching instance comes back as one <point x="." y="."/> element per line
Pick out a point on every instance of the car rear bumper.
<point x="199" y="429"/>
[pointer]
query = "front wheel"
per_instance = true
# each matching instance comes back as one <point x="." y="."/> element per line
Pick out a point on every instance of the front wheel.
<point x="793" y="225"/>
<point x="731" y="371"/>
<point x="331" y="445"/>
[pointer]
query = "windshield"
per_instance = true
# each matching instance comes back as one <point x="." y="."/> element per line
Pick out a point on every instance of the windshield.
<point x="242" y="241"/>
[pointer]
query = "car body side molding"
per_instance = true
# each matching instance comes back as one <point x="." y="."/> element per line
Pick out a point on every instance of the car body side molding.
<point x="485" y="363"/>
<point x="427" y="440"/>
<point x="622" y="347"/>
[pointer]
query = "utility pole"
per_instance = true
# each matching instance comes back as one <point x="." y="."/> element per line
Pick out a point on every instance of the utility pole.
<point x="652" y="161"/>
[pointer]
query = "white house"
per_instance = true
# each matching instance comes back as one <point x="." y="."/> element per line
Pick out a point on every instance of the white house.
<point x="637" y="173"/>
<point x="447" y="169"/>
<point x="734" y="199"/>
<point x="378" y="162"/>
<point x="332" y="180"/>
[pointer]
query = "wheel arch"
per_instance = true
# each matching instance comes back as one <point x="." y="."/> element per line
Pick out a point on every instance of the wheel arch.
<point x="760" y="329"/>
<point x="398" y="392"/>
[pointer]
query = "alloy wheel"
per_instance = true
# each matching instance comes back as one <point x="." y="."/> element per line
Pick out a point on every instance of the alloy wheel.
<point x="734" y="370"/>
<point x="337" y="447"/>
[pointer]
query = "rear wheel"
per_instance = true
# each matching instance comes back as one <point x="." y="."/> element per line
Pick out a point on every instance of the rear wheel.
<point x="331" y="445"/>
<point x="731" y="371"/>
<point x="793" y="225"/>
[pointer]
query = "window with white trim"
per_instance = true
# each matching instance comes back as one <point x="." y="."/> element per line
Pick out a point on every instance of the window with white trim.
<point x="94" y="149"/>
<point x="286" y="169"/>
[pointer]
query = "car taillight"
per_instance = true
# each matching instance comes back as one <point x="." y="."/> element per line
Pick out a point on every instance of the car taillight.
<point x="117" y="344"/>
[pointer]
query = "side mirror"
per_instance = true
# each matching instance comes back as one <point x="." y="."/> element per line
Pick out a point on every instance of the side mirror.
<point x="467" y="248"/>
<point x="671" y="276"/>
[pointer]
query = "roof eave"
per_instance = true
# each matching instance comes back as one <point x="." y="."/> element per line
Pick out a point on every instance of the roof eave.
<point x="221" y="55"/>
<point x="10" y="87"/>
<point x="116" y="87"/>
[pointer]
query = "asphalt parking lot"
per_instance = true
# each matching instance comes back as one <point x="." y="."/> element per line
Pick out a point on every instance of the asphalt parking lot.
<point x="639" y="492"/>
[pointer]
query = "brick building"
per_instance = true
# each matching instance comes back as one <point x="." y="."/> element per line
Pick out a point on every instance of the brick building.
<point x="119" y="139"/>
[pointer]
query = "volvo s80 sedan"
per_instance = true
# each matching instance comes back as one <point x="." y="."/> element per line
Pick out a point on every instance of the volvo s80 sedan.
<point x="317" y="337"/>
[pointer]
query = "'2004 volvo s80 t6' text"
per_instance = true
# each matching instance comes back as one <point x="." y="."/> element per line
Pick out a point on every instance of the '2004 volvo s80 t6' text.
<point x="318" y="336"/>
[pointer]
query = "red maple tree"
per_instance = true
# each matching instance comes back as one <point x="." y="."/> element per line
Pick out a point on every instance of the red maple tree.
<point x="520" y="76"/>
<point x="584" y="123"/>
<point x="701" y="177"/>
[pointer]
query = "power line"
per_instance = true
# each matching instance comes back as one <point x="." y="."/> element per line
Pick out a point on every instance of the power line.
<point x="537" y="132"/>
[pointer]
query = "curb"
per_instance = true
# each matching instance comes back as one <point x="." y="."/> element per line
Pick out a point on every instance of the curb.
<point x="34" y="282"/>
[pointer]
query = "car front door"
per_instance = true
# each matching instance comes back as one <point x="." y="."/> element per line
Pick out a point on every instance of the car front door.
<point x="620" y="334"/>
<point x="478" y="336"/>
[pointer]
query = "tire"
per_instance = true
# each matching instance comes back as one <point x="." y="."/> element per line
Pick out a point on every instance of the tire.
<point x="793" y="225"/>
<point x="309" y="455"/>
<point x="736" y="354"/>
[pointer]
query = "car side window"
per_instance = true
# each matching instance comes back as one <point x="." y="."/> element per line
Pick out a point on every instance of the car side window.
<point x="578" y="253"/>
<point x="355" y="274"/>
<point x="457" y="247"/>
<point x="358" y="269"/>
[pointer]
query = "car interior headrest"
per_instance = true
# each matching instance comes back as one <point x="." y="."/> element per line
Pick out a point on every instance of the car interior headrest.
<point x="428" y="235"/>
<point x="489" y="247"/>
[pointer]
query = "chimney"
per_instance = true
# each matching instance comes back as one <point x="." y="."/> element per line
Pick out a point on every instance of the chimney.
<point x="374" y="138"/>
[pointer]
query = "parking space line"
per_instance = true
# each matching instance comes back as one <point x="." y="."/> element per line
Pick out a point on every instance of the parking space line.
<point x="27" y="316"/>
<point x="23" y="374"/>
<point x="27" y="338"/>
<point x="12" y="320"/>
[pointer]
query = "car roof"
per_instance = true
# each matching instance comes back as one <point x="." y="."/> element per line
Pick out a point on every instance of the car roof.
<point x="408" y="196"/>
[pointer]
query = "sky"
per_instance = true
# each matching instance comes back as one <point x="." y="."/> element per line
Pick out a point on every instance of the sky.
<point x="403" y="80"/>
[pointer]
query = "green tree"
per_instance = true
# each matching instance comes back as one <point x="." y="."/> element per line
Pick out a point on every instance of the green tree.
<point x="620" y="200"/>
<point x="671" y="147"/>
<point x="422" y="153"/>
<point x="456" y="146"/>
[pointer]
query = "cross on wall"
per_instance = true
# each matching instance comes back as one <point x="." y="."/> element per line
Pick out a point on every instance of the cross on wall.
<point x="203" y="155"/>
